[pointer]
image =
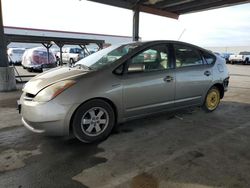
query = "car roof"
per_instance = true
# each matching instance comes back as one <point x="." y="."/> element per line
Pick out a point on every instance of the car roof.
<point x="152" y="42"/>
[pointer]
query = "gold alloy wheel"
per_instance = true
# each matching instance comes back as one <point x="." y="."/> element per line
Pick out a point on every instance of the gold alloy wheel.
<point x="213" y="99"/>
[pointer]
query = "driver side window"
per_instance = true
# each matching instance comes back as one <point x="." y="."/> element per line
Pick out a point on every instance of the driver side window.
<point x="151" y="59"/>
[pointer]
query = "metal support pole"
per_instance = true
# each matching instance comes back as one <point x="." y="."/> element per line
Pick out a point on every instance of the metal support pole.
<point x="3" y="49"/>
<point x="85" y="49"/>
<point x="100" y="46"/>
<point x="136" y="24"/>
<point x="60" y="45"/>
<point x="60" y="62"/>
<point x="7" y="74"/>
<point x="47" y="46"/>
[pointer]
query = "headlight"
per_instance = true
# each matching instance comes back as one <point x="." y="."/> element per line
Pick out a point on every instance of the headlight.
<point x="53" y="90"/>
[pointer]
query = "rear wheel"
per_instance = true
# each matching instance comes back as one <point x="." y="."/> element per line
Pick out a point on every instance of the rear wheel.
<point x="93" y="121"/>
<point x="212" y="100"/>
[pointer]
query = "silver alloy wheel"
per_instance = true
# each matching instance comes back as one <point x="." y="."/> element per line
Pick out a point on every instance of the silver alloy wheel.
<point x="95" y="121"/>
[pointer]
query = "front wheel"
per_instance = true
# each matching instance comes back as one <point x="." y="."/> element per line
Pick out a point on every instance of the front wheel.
<point x="212" y="100"/>
<point x="93" y="121"/>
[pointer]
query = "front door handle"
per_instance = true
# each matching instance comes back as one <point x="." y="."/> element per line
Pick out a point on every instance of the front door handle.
<point x="207" y="73"/>
<point x="168" y="79"/>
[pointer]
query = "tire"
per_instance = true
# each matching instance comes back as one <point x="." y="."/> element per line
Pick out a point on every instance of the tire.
<point x="246" y="62"/>
<point x="71" y="61"/>
<point x="212" y="100"/>
<point x="87" y="126"/>
<point x="29" y="69"/>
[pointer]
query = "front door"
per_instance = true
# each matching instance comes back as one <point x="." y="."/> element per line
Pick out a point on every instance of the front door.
<point x="149" y="85"/>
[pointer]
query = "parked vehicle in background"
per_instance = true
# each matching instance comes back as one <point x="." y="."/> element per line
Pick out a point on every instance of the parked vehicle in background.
<point x="37" y="59"/>
<point x="120" y="83"/>
<point x="243" y="57"/>
<point x="226" y="55"/>
<point x="71" y="55"/>
<point x="15" y="55"/>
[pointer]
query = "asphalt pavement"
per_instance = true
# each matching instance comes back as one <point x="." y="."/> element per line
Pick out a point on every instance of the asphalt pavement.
<point x="182" y="149"/>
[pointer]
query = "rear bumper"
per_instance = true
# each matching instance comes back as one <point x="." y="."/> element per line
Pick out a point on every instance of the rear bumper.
<point x="236" y="60"/>
<point x="39" y="67"/>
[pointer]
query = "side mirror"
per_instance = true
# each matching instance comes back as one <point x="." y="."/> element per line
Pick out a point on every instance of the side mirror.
<point x="136" y="68"/>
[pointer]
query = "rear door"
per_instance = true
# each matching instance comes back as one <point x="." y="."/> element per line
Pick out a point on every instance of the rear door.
<point x="193" y="75"/>
<point x="152" y="89"/>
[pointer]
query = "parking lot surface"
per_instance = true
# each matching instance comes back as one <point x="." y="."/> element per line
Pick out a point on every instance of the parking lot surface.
<point x="183" y="149"/>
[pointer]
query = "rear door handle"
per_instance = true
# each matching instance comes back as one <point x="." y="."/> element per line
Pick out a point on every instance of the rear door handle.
<point x="168" y="79"/>
<point x="207" y="73"/>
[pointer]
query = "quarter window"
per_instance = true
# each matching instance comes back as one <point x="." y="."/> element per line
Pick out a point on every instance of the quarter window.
<point x="186" y="56"/>
<point x="210" y="59"/>
<point x="152" y="59"/>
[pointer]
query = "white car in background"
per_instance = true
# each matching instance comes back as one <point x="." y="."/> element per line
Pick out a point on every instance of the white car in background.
<point x="36" y="59"/>
<point x="15" y="55"/>
<point x="71" y="55"/>
<point x="243" y="57"/>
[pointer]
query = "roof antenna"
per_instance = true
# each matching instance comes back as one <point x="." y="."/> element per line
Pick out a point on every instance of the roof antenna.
<point x="183" y="31"/>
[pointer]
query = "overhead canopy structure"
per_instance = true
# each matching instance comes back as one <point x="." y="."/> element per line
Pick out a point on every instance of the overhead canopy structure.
<point x="171" y="8"/>
<point x="45" y="39"/>
<point x="167" y="8"/>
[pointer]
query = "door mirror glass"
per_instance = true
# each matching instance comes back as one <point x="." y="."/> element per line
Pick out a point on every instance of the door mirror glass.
<point x="136" y="68"/>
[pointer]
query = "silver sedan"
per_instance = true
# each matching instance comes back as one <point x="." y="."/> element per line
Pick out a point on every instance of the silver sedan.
<point x="120" y="83"/>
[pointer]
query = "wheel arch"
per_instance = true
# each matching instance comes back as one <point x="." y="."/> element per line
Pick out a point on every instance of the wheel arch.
<point x="111" y="103"/>
<point x="221" y="89"/>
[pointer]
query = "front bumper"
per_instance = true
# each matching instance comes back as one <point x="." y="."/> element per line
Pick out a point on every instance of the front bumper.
<point x="48" y="118"/>
<point x="54" y="128"/>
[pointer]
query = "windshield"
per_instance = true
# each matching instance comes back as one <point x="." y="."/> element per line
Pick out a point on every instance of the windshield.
<point x="244" y="53"/>
<point x="18" y="51"/>
<point x="106" y="56"/>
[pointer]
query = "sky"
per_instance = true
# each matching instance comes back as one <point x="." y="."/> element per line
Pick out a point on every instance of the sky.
<point x="221" y="27"/>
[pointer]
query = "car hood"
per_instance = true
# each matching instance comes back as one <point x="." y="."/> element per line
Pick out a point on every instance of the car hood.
<point x="43" y="80"/>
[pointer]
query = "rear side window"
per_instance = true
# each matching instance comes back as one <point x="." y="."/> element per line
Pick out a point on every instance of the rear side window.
<point x="186" y="56"/>
<point x="209" y="58"/>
